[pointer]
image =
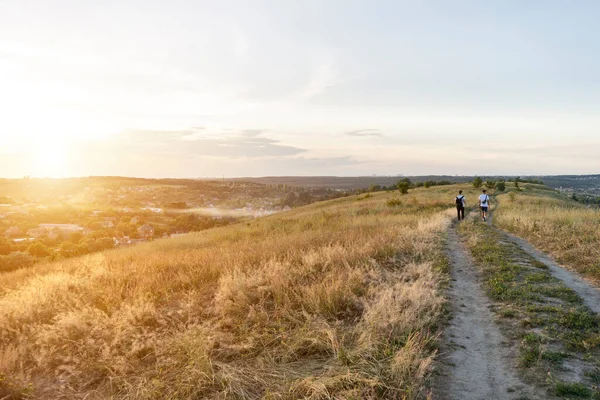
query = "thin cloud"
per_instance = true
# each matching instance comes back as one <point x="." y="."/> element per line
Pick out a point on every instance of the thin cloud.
<point x="326" y="75"/>
<point x="253" y="132"/>
<point x="365" y="133"/>
<point x="249" y="143"/>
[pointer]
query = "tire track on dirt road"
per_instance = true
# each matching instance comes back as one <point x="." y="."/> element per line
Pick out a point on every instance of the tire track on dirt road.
<point x="588" y="292"/>
<point x="477" y="362"/>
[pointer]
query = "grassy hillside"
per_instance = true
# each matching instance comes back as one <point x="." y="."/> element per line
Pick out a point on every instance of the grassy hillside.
<point x="556" y="224"/>
<point x="339" y="299"/>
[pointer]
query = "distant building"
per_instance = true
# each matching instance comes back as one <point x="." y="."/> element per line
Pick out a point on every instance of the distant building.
<point x="37" y="232"/>
<point x="65" y="228"/>
<point x="13" y="231"/>
<point x="124" y="241"/>
<point x="21" y="240"/>
<point x="152" y="209"/>
<point x="107" y="224"/>
<point x="146" y="231"/>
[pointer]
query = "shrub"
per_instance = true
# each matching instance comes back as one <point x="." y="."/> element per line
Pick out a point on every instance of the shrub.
<point x="403" y="185"/>
<point x="15" y="261"/>
<point x="477" y="182"/>
<point x="37" y="249"/>
<point x="394" y="202"/>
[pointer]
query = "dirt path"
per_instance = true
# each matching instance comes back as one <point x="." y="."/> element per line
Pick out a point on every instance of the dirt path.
<point x="589" y="293"/>
<point x="477" y="363"/>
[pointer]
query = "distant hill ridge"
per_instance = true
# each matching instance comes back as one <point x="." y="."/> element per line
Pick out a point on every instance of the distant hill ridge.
<point x="360" y="182"/>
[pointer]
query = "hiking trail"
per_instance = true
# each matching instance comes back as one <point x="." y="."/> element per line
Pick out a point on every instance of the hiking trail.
<point x="477" y="361"/>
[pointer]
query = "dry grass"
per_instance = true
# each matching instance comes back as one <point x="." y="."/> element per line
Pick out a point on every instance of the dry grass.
<point x="565" y="229"/>
<point x="336" y="300"/>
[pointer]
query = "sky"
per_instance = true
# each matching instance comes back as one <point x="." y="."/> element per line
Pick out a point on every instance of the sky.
<point x="192" y="88"/>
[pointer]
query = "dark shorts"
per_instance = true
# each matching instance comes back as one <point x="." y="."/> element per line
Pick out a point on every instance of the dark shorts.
<point x="484" y="208"/>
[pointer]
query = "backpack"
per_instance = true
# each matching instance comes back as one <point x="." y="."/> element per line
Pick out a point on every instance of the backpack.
<point x="459" y="201"/>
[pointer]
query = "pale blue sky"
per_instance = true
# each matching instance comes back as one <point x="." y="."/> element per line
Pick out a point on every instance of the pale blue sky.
<point x="197" y="88"/>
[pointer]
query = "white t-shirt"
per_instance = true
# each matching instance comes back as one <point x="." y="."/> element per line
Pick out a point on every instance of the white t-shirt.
<point x="460" y="196"/>
<point x="485" y="200"/>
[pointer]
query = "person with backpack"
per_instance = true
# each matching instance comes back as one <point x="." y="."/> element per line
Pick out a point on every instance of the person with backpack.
<point x="460" y="205"/>
<point x="484" y="203"/>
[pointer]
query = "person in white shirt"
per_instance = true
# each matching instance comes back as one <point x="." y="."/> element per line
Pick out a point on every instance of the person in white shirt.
<point x="460" y="205"/>
<point x="484" y="204"/>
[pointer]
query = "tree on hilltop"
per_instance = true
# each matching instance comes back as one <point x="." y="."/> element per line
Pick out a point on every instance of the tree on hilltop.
<point x="477" y="182"/>
<point x="304" y="198"/>
<point x="290" y="199"/>
<point x="403" y="185"/>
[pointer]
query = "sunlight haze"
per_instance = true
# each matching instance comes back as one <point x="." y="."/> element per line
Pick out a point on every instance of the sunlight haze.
<point x="234" y="88"/>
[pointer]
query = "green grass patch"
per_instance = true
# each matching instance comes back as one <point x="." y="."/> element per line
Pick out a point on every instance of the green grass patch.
<point x="508" y="313"/>
<point x="539" y="264"/>
<point x="530" y="356"/>
<point x="574" y="319"/>
<point x="555" y="357"/>
<point x="559" y="292"/>
<point x="576" y="389"/>
<point x="538" y="277"/>
<point x="594" y="376"/>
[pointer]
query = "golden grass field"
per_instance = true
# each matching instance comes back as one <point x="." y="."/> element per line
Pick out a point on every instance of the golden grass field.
<point x="340" y="299"/>
<point x="567" y="230"/>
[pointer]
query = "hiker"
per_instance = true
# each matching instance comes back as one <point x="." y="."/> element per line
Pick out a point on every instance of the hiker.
<point x="460" y="205"/>
<point x="484" y="203"/>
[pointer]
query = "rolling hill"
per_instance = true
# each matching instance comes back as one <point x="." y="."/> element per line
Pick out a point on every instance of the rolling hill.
<point x="337" y="299"/>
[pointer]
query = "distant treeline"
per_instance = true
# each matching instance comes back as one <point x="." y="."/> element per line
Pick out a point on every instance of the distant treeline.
<point x="405" y="183"/>
<point x="587" y="199"/>
<point x="526" y="180"/>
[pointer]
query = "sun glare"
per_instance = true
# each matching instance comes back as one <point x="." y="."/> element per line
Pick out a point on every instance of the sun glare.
<point x="52" y="159"/>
